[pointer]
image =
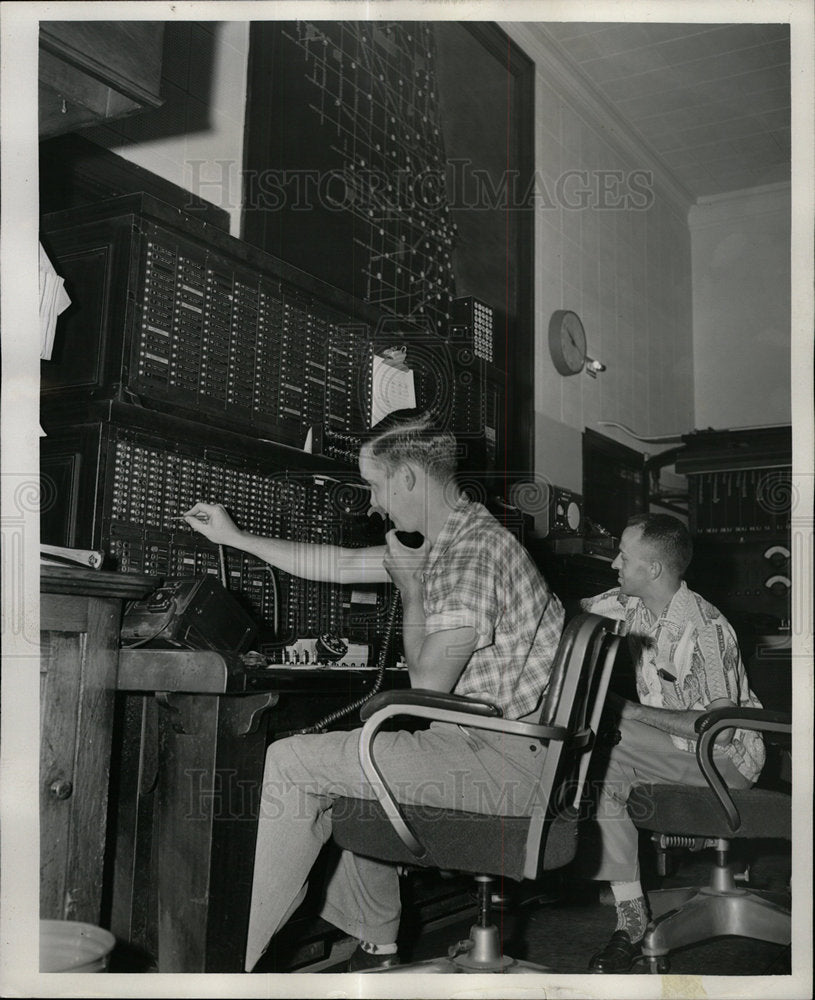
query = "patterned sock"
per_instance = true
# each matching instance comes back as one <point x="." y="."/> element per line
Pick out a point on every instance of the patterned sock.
<point x="632" y="910"/>
<point x="378" y="949"/>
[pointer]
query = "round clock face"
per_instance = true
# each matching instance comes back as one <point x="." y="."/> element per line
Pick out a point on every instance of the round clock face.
<point x="567" y="342"/>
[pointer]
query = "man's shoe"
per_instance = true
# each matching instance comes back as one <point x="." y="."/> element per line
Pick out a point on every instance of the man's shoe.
<point x="366" y="961"/>
<point x="618" y="955"/>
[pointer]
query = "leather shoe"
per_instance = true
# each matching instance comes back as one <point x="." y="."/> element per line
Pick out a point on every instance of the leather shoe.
<point x="618" y="955"/>
<point x="366" y="961"/>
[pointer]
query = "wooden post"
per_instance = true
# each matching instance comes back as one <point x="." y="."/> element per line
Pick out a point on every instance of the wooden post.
<point x="211" y="755"/>
<point x="80" y="614"/>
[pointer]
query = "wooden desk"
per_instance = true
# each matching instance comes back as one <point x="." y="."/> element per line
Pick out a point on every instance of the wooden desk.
<point x="80" y="615"/>
<point x="188" y="791"/>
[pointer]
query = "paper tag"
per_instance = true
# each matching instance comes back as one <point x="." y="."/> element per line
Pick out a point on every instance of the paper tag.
<point x="363" y="597"/>
<point x="393" y="389"/>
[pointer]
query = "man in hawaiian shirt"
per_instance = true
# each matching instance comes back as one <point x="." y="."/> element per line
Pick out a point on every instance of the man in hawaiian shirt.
<point x="687" y="661"/>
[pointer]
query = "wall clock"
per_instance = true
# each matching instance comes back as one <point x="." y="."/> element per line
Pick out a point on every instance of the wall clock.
<point x="567" y="342"/>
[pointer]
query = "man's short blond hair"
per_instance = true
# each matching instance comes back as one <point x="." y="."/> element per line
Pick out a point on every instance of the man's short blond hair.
<point x="405" y="436"/>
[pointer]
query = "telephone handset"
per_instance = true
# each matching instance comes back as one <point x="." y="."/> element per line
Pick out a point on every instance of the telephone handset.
<point x="411" y="540"/>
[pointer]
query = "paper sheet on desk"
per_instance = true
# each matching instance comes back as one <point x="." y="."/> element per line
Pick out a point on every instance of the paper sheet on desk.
<point x="392" y="389"/>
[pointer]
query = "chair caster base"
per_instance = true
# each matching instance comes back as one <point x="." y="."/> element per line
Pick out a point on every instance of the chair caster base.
<point x="658" y="964"/>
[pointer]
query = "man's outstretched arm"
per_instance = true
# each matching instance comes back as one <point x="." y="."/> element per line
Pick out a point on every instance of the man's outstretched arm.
<point x="326" y="563"/>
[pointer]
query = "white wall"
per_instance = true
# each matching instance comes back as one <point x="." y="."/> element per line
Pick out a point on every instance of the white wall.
<point x="195" y="139"/>
<point x="741" y="308"/>
<point x="622" y="262"/>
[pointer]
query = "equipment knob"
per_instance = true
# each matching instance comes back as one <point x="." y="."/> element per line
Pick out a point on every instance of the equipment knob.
<point x="777" y="555"/>
<point x="779" y="585"/>
<point x="61" y="788"/>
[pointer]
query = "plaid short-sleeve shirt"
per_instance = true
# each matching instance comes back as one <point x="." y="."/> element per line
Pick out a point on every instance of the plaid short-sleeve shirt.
<point x="693" y="643"/>
<point x="478" y="574"/>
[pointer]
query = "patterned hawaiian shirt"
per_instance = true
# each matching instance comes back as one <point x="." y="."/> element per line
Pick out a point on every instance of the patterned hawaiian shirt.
<point x="686" y="658"/>
<point x="478" y="574"/>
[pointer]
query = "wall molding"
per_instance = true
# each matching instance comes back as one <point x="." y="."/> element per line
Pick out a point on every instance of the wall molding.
<point x="717" y="209"/>
<point x="559" y="70"/>
<point x="778" y="186"/>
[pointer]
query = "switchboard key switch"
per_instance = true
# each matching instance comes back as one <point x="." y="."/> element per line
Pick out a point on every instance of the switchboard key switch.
<point x="159" y="295"/>
<point x="242" y="389"/>
<point x="151" y="348"/>
<point x="188" y="333"/>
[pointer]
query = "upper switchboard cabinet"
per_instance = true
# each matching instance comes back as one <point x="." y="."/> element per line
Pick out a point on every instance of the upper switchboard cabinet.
<point x="91" y="71"/>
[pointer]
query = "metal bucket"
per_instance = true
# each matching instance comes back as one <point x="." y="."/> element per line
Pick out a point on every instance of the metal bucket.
<point x="71" y="946"/>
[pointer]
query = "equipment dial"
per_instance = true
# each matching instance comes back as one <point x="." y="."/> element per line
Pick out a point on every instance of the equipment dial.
<point x="779" y="585"/>
<point x="777" y="555"/>
<point x="330" y="648"/>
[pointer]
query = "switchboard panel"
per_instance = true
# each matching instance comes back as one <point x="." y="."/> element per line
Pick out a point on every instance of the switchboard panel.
<point x="741" y="503"/>
<point x="192" y="366"/>
<point x="173" y="314"/>
<point x="477" y="318"/>
<point x="741" y="499"/>
<point x="133" y="484"/>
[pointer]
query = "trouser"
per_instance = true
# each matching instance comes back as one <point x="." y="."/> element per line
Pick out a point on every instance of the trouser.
<point x="443" y="766"/>
<point x="608" y="846"/>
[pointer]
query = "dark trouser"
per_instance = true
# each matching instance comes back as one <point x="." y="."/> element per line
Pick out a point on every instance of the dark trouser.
<point x="609" y="842"/>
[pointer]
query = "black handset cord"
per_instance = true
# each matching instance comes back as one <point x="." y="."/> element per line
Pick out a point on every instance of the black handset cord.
<point x="380" y="676"/>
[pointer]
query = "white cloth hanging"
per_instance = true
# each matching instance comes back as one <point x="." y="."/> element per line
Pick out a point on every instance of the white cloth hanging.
<point x="53" y="301"/>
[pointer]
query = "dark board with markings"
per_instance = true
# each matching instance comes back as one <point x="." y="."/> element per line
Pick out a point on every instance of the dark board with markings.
<point x="394" y="160"/>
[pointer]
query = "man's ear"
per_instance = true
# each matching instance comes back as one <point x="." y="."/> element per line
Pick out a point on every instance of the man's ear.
<point x="656" y="569"/>
<point x="408" y="474"/>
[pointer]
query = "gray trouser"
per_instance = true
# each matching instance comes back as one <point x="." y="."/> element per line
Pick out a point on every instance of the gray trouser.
<point x="609" y="846"/>
<point x="441" y="766"/>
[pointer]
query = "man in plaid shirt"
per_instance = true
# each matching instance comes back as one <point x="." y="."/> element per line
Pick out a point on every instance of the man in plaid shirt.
<point x="478" y="619"/>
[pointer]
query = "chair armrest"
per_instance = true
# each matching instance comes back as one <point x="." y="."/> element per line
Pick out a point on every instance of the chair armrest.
<point x="439" y="707"/>
<point x="764" y="719"/>
<point x="710" y="724"/>
<point x="432" y="699"/>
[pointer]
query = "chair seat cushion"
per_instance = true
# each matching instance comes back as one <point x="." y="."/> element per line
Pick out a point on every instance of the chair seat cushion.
<point x="456" y="841"/>
<point x="686" y="810"/>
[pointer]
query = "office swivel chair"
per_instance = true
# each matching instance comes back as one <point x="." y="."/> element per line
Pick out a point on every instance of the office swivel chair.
<point x="713" y="816"/>
<point x="511" y="846"/>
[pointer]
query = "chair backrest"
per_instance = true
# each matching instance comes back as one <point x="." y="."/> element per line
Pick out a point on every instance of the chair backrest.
<point x="574" y="700"/>
<point x="516" y="846"/>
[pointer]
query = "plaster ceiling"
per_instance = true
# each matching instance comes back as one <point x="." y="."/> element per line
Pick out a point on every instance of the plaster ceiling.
<point x="711" y="100"/>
